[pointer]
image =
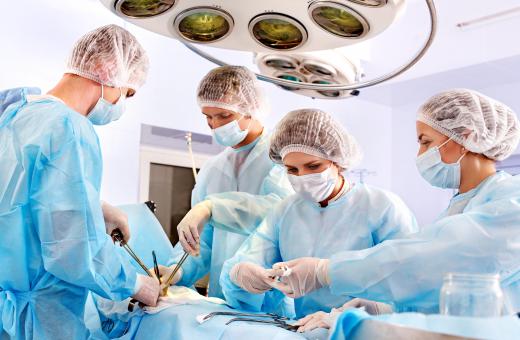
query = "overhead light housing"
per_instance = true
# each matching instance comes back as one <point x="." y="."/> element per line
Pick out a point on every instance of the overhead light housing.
<point x="143" y="8"/>
<point x="370" y="3"/>
<point x="338" y="19"/>
<point x="287" y="27"/>
<point x="203" y="24"/>
<point x="277" y="31"/>
<point x="281" y="62"/>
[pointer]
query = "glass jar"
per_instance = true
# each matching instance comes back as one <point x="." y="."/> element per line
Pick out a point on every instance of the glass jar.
<point x="477" y="295"/>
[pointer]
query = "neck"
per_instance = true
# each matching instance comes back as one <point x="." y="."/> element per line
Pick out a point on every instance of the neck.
<point x="255" y="130"/>
<point x="340" y="182"/>
<point x="78" y="93"/>
<point x="474" y="170"/>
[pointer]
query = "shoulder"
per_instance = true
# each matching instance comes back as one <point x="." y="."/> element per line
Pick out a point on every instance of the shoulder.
<point x="52" y="125"/>
<point x="501" y="186"/>
<point x="375" y="195"/>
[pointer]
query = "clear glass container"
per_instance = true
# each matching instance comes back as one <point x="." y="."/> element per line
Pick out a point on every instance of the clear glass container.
<point x="476" y="295"/>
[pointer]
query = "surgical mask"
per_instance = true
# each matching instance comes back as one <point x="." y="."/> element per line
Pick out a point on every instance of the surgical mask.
<point x="105" y="112"/>
<point x="230" y="134"/>
<point x="314" y="187"/>
<point x="436" y="172"/>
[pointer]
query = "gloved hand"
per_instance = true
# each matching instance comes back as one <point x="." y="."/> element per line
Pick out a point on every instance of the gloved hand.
<point x="148" y="290"/>
<point x="115" y="219"/>
<point x="306" y="274"/>
<point x="252" y="277"/>
<point x="371" y="307"/>
<point x="165" y="272"/>
<point x="317" y="320"/>
<point x="191" y="226"/>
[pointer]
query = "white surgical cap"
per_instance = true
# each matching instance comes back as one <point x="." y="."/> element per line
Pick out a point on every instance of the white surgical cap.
<point x="481" y="124"/>
<point x="233" y="88"/>
<point x="316" y="133"/>
<point x="110" y="55"/>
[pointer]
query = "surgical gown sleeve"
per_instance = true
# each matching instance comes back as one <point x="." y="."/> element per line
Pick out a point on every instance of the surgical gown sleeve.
<point x="262" y="248"/>
<point x="241" y="212"/>
<point x="66" y="208"/>
<point x="409" y="272"/>
<point x="396" y="220"/>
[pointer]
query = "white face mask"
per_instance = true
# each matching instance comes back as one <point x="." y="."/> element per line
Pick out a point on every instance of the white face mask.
<point x="231" y="134"/>
<point x="105" y="112"/>
<point x="314" y="187"/>
<point x="436" y="172"/>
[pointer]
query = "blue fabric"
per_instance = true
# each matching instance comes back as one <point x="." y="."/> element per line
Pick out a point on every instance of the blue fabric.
<point x="361" y="218"/>
<point x="179" y="322"/>
<point x="347" y="323"/>
<point x="503" y="328"/>
<point x="243" y="186"/>
<point x="11" y="96"/>
<point x="53" y="248"/>
<point x="484" y="238"/>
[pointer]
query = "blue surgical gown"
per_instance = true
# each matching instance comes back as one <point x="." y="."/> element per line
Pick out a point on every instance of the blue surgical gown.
<point x="361" y="218"/>
<point x="408" y="273"/>
<point x="53" y="245"/>
<point x="243" y="185"/>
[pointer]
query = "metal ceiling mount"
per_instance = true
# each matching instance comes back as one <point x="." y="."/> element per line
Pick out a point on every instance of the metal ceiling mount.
<point x="343" y="87"/>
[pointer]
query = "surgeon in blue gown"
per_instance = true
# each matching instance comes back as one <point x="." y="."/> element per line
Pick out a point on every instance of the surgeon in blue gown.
<point x="54" y="246"/>
<point x="327" y="215"/>
<point x="235" y="189"/>
<point x="461" y="135"/>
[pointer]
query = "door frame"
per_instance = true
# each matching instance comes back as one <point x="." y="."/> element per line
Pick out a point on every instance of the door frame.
<point x="150" y="154"/>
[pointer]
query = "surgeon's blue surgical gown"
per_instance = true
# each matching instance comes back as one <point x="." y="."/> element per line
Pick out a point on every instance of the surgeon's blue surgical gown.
<point x="243" y="185"/>
<point x="484" y="238"/>
<point x="53" y="245"/>
<point x="361" y="218"/>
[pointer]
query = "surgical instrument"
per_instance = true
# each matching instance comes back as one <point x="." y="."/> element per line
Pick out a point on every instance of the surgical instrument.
<point x="172" y="275"/>
<point x="156" y="267"/>
<point x="118" y="236"/>
<point x="205" y="317"/>
<point x="274" y="322"/>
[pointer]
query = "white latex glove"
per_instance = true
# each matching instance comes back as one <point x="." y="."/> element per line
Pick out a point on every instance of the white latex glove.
<point x="165" y="272"/>
<point x="317" y="320"/>
<point x="148" y="290"/>
<point x="371" y="307"/>
<point x="252" y="277"/>
<point x="191" y="226"/>
<point x="115" y="219"/>
<point x="306" y="274"/>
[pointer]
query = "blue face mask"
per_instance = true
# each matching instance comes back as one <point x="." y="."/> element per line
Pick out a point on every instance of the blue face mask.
<point x="436" y="172"/>
<point x="105" y="112"/>
<point x="230" y="134"/>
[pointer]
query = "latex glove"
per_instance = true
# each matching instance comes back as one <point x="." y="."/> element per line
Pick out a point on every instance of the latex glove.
<point x="148" y="290"/>
<point x="317" y="320"/>
<point x="165" y="272"/>
<point x="371" y="307"/>
<point x="252" y="277"/>
<point x="115" y="219"/>
<point x="306" y="274"/>
<point x="191" y="226"/>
